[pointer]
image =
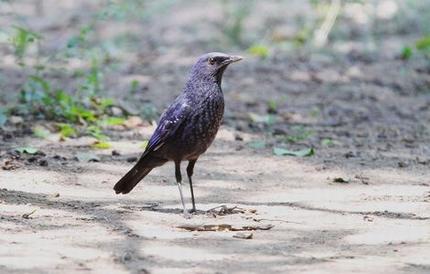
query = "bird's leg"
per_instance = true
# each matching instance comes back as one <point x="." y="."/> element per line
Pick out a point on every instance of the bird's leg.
<point x="190" y="169"/>
<point x="179" y="182"/>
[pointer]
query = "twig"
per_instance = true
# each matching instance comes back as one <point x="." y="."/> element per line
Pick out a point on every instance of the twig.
<point x="321" y="34"/>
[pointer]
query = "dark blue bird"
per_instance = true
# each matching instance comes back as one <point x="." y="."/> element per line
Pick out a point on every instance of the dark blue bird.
<point x="188" y="126"/>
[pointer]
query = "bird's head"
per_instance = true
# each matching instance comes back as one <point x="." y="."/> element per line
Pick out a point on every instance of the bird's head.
<point x="212" y="65"/>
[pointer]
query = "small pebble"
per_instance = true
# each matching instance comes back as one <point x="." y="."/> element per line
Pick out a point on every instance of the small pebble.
<point x="43" y="162"/>
<point x="402" y="164"/>
<point x="132" y="159"/>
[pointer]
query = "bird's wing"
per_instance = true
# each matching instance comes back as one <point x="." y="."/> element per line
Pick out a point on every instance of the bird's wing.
<point x="169" y="123"/>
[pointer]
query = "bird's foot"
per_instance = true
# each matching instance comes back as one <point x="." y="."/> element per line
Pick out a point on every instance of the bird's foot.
<point x="187" y="215"/>
<point x="192" y="211"/>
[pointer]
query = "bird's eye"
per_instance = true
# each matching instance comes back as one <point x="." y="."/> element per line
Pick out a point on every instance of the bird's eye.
<point x="211" y="61"/>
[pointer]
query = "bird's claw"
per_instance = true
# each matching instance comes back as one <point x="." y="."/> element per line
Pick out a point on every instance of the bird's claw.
<point x="187" y="215"/>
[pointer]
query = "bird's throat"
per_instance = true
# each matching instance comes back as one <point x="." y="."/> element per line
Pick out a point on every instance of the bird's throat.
<point x="218" y="75"/>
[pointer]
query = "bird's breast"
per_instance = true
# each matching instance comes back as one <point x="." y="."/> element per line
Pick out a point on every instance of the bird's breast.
<point x="202" y="126"/>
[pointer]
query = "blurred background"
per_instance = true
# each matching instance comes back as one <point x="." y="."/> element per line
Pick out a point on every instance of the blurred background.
<point x="311" y="66"/>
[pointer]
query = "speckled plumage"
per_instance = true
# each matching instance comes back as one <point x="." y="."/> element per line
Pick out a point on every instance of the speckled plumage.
<point x="188" y="126"/>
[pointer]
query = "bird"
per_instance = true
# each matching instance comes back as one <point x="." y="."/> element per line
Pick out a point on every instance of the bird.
<point x="187" y="127"/>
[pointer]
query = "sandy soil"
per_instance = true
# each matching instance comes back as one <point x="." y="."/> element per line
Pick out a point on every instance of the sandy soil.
<point x="377" y="222"/>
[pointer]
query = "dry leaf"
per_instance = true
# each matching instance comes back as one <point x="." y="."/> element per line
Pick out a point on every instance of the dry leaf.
<point x="243" y="235"/>
<point x="224" y="227"/>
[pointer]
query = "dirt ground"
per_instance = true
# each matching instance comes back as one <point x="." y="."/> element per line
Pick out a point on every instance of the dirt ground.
<point x="360" y="204"/>
<point x="377" y="222"/>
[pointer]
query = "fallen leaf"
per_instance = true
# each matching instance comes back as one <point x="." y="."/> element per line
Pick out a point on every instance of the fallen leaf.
<point x="66" y="130"/>
<point x="327" y="142"/>
<point x="243" y="235"/>
<point x="101" y="145"/>
<point x="299" y="153"/>
<point x="10" y="165"/>
<point x="224" y="227"/>
<point x="27" y="215"/>
<point x="28" y="150"/>
<point x="259" y="144"/>
<point x="113" y="121"/>
<point x="340" y="180"/>
<point x="224" y="210"/>
<point x="40" y="132"/>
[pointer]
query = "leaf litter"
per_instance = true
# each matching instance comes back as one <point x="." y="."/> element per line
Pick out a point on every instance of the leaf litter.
<point x="225" y="227"/>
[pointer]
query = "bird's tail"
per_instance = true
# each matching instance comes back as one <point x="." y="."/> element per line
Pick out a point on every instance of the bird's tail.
<point x="137" y="173"/>
<point x="130" y="180"/>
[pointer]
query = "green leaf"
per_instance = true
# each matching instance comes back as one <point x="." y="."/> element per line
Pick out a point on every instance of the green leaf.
<point x="22" y="39"/>
<point x="101" y="145"/>
<point x="134" y="86"/>
<point x="423" y="43"/>
<point x="96" y="132"/>
<point x="259" y="50"/>
<point x="28" y="150"/>
<point x="105" y="103"/>
<point x="42" y="82"/>
<point x="63" y="98"/>
<point x="258" y="144"/>
<point x="299" y="153"/>
<point x="40" y="132"/>
<point x="272" y="106"/>
<point x="406" y="53"/>
<point x="112" y="121"/>
<point x="299" y="133"/>
<point x="66" y="130"/>
<point x="327" y="142"/>
<point x="81" y="112"/>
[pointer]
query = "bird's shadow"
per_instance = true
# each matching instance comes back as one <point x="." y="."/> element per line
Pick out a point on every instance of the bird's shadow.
<point x="178" y="211"/>
<point x="155" y="207"/>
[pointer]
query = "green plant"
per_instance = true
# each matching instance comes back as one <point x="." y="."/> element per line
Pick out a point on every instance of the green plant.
<point x="80" y="40"/>
<point x="22" y="39"/>
<point x="101" y="145"/>
<point x="423" y="45"/>
<point x="66" y="130"/>
<point x="406" y="53"/>
<point x="272" y="106"/>
<point x="134" y="86"/>
<point x="81" y="112"/>
<point x="259" y="50"/>
<point x="299" y="133"/>
<point x="97" y="132"/>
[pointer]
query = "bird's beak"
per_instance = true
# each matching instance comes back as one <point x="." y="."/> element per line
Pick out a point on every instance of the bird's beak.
<point x="235" y="58"/>
<point x="232" y="59"/>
